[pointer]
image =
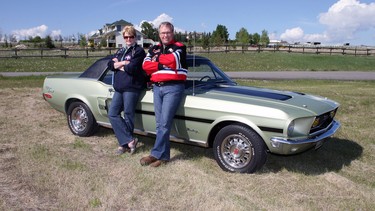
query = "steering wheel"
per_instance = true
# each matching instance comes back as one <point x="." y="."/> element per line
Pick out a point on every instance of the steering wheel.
<point x="205" y="77"/>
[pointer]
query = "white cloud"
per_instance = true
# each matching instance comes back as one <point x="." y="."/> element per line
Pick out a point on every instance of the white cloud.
<point x="292" y="35"/>
<point x="31" y="32"/>
<point x="344" y="20"/>
<point x="161" y="18"/>
<point x="158" y="20"/>
<point x="55" y="33"/>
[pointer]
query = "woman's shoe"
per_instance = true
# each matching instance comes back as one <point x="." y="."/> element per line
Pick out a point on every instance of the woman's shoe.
<point x="133" y="145"/>
<point x="122" y="150"/>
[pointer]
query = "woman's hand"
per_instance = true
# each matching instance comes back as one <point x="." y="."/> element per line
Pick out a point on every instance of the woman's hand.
<point x="120" y="65"/>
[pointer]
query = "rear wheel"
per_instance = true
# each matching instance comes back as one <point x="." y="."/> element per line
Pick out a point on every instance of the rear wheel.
<point x="239" y="149"/>
<point x="81" y="121"/>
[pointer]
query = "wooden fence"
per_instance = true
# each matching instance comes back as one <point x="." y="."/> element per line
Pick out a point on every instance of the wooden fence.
<point x="89" y="52"/>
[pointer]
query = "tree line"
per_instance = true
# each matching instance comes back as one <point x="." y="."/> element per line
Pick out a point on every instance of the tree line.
<point x="218" y="37"/>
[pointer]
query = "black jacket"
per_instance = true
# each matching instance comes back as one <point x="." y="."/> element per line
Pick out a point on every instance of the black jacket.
<point x="133" y="78"/>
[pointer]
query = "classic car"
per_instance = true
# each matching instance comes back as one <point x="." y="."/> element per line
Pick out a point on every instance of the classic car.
<point x="241" y="124"/>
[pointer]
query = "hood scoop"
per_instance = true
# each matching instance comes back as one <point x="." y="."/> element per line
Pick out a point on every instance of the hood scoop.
<point x="256" y="93"/>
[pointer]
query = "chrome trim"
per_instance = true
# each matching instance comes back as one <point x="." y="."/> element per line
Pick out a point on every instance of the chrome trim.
<point x="329" y="132"/>
<point x="152" y="134"/>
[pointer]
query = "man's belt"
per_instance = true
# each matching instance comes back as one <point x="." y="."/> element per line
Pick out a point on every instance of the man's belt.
<point x="165" y="83"/>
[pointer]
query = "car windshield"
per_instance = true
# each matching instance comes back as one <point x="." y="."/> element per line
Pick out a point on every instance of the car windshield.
<point x="203" y="72"/>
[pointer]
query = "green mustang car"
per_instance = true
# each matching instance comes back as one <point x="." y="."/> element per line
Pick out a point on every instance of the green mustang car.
<point x="241" y="124"/>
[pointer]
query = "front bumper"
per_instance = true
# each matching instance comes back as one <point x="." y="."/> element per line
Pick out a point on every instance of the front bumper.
<point x="281" y="145"/>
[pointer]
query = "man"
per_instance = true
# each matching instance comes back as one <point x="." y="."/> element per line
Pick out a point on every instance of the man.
<point x="166" y="64"/>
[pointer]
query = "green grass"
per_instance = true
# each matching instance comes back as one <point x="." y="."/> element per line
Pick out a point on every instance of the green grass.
<point x="265" y="61"/>
<point x="268" y="61"/>
<point x="22" y="81"/>
<point x="45" y="64"/>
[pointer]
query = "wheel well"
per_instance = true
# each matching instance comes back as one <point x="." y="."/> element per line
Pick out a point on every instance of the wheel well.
<point x="219" y="126"/>
<point x="70" y="101"/>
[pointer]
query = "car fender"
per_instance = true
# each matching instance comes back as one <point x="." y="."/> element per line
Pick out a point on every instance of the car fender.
<point x="240" y="120"/>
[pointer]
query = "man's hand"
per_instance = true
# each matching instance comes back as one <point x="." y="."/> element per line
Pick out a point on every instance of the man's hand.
<point x="155" y="58"/>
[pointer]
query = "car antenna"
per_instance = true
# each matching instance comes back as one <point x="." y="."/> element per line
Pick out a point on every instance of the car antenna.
<point x="193" y="62"/>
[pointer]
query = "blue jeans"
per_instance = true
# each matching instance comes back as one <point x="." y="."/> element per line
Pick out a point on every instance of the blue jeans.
<point x="167" y="98"/>
<point x="123" y="127"/>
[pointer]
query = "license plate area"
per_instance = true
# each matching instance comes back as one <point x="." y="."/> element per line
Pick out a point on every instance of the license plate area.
<point x="319" y="144"/>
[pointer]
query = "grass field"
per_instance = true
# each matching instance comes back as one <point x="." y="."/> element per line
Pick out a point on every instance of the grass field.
<point x="266" y="61"/>
<point x="44" y="167"/>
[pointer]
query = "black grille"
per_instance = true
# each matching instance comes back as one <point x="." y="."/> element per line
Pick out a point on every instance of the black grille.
<point x="324" y="121"/>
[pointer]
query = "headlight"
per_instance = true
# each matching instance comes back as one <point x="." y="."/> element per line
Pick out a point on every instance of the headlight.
<point x="316" y="122"/>
<point x="291" y="128"/>
<point x="332" y="114"/>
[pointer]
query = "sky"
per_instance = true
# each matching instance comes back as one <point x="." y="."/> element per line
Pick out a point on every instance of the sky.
<point x="331" y="22"/>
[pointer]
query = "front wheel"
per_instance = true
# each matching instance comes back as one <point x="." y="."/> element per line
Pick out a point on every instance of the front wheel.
<point x="81" y="121"/>
<point x="239" y="149"/>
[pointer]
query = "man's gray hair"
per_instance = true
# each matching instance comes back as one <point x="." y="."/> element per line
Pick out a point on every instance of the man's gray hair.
<point x="168" y="24"/>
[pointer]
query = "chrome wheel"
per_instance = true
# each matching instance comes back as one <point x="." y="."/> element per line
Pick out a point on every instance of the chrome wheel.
<point x="236" y="151"/>
<point x="238" y="148"/>
<point x="79" y="119"/>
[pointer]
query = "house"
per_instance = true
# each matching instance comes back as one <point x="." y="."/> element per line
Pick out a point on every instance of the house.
<point x="111" y="33"/>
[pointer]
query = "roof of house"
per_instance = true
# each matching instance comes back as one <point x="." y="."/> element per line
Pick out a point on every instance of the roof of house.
<point x="120" y="22"/>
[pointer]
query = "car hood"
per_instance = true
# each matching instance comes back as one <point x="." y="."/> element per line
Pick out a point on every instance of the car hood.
<point x="67" y="75"/>
<point x="285" y="101"/>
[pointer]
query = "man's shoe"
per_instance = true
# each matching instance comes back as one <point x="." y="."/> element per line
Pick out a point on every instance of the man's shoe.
<point x="145" y="161"/>
<point x="158" y="163"/>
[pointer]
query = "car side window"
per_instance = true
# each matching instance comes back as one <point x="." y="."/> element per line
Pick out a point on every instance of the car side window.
<point x="107" y="78"/>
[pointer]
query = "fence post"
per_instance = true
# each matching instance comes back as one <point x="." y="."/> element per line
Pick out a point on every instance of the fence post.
<point x="41" y="53"/>
<point x="87" y="53"/>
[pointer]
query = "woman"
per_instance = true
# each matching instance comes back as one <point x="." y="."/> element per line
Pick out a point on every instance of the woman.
<point x="129" y="80"/>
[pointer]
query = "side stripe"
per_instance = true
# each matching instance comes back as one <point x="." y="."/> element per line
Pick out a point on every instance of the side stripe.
<point x="208" y="121"/>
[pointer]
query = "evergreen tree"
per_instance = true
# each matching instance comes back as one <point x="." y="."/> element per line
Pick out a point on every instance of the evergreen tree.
<point x="206" y="40"/>
<point x="149" y="30"/>
<point x="82" y="41"/>
<point x="264" y="39"/>
<point x="220" y="35"/>
<point x="256" y="38"/>
<point x="48" y="42"/>
<point x="242" y="36"/>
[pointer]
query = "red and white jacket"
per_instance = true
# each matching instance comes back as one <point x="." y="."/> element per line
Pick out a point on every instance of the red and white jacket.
<point x="166" y="62"/>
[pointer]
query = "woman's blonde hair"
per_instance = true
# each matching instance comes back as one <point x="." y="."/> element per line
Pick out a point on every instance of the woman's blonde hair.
<point x="130" y="30"/>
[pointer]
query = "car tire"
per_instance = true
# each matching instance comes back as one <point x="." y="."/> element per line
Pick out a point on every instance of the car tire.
<point x="81" y="121"/>
<point x="239" y="149"/>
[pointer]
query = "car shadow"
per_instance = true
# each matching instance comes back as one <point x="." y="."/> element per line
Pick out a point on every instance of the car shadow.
<point x="332" y="156"/>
